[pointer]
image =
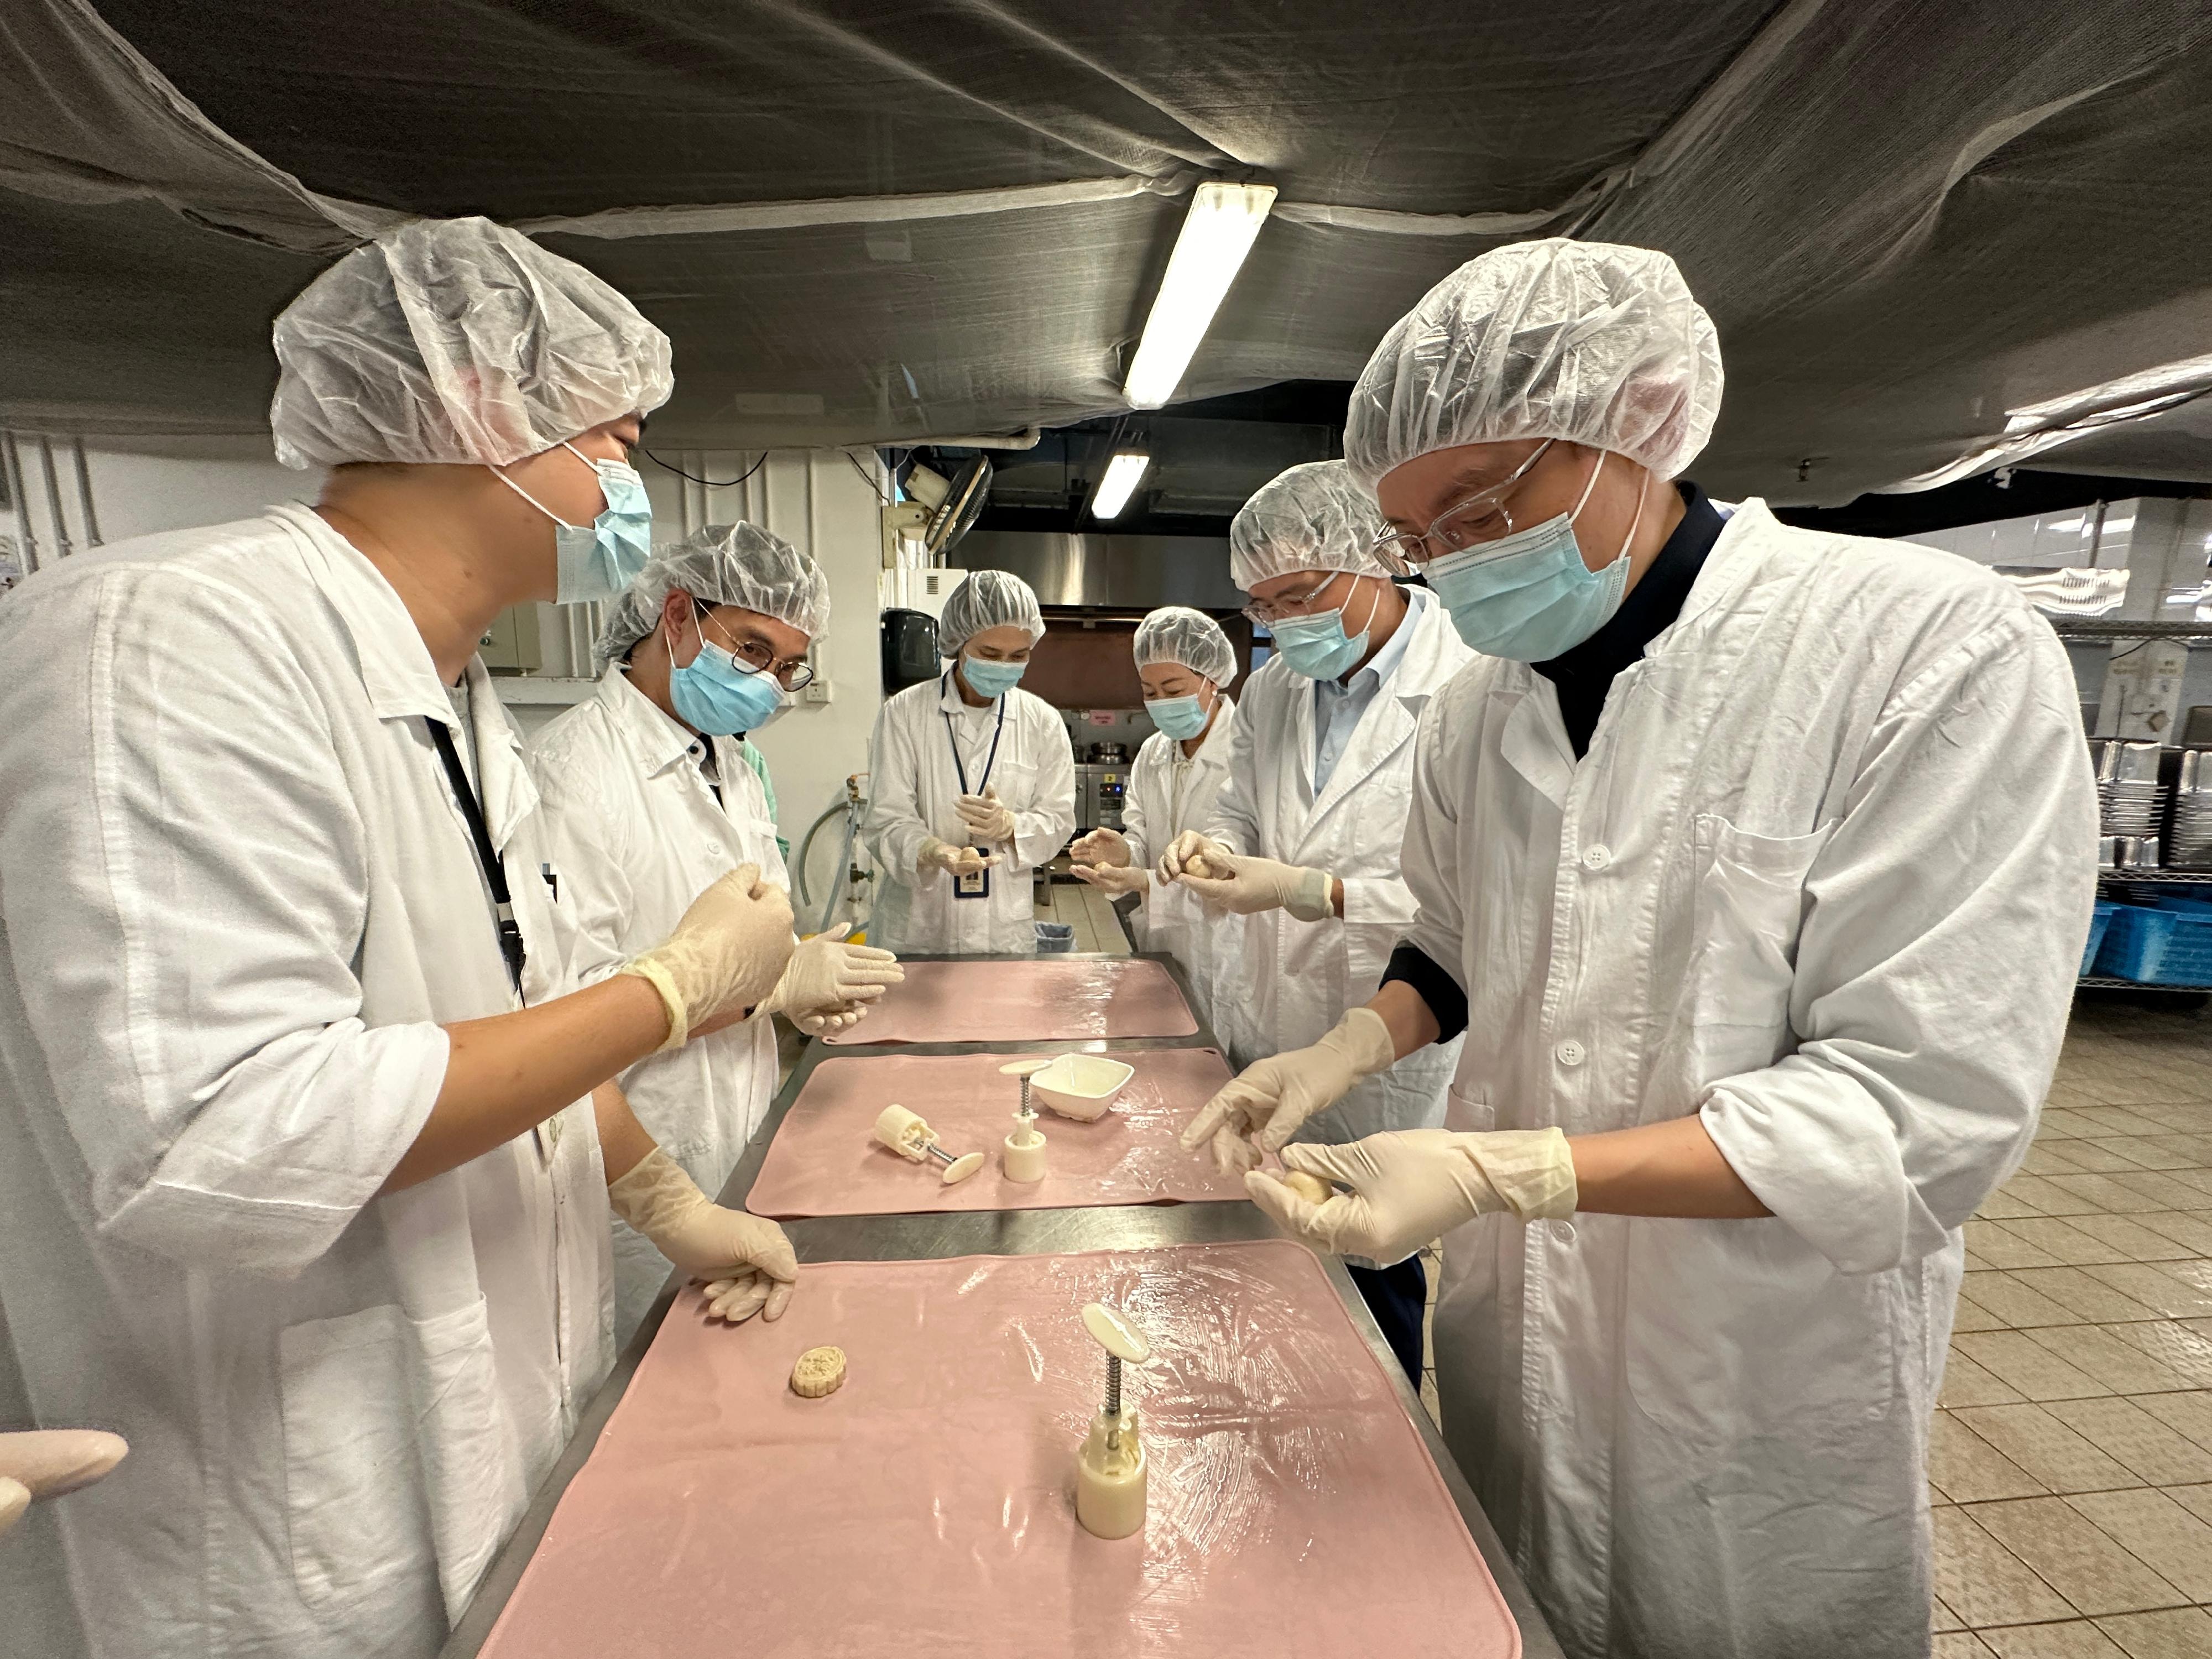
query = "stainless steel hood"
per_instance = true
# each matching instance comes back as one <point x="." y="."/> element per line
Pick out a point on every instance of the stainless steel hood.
<point x="1120" y="573"/>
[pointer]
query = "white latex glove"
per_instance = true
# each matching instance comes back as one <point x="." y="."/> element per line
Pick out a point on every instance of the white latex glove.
<point x="937" y="855"/>
<point x="47" y="1462"/>
<point x="1410" y="1186"/>
<point x="746" y="1264"/>
<point x="1259" y="1110"/>
<point x="831" y="1020"/>
<point x="987" y="818"/>
<point x="1102" y="847"/>
<point x="1242" y="884"/>
<point x="1187" y="847"/>
<point x="1113" y="878"/>
<point x="726" y="955"/>
<point x="828" y="979"/>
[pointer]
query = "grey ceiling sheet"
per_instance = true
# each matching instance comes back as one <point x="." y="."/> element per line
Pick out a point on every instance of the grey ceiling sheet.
<point x="1905" y="218"/>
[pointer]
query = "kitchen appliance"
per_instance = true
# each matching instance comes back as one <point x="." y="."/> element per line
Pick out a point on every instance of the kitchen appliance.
<point x="1109" y="754"/>
<point x="910" y="649"/>
<point x="1098" y="796"/>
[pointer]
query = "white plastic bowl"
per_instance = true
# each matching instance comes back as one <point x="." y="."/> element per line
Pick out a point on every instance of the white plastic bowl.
<point x="1081" y="1086"/>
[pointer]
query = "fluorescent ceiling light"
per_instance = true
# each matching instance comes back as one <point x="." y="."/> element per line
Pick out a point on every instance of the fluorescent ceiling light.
<point x="1120" y="482"/>
<point x="2033" y="429"/>
<point x="1217" y="234"/>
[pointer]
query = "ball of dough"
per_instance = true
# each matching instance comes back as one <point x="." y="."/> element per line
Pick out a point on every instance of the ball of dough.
<point x="1312" y="1188"/>
<point x="1196" y="864"/>
<point x="819" y="1371"/>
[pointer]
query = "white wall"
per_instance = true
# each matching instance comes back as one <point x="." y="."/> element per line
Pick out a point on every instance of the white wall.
<point x="137" y="495"/>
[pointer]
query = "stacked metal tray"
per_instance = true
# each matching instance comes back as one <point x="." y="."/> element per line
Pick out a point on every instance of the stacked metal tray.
<point x="2131" y="800"/>
<point x="2189" y="847"/>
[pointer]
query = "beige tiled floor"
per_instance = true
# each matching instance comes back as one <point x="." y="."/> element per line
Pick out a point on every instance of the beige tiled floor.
<point x="1091" y="913"/>
<point x="2071" y="1459"/>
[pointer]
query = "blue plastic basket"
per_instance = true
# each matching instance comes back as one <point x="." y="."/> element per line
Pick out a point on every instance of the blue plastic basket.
<point x="2099" y="925"/>
<point x="2166" y="945"/>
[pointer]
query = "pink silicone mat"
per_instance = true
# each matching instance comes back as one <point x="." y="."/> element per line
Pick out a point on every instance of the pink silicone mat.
<point x="824" y="1161"/>
<point x="926" y="1509"/>
<point x="1047" y="999"/>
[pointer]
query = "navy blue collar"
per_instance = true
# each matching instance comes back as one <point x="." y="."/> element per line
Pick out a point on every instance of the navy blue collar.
<point x="1584" y="675"/>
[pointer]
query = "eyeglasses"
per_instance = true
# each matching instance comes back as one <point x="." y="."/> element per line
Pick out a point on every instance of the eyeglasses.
<point x="1482" y="517"/>
<point x="1268" y="611"/>
<point x="753" y="655"/>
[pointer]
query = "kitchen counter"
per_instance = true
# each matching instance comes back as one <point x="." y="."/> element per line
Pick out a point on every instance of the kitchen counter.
<point x="1024" y="1232"/>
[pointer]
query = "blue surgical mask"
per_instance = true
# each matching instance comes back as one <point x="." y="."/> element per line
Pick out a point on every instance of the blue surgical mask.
<point x="597" y="561"/>
<point x="713" y="694"/>
<point x="1180" y="718"/>
<point x="1529" y="596"/>
<point x="1317" y="647"/>
<point x="986" y="678"/>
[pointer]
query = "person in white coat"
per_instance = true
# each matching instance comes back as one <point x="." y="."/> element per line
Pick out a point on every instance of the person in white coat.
<point x="301" y="1188"/>
<point x="1185" y="664"/>
<point x="1755" y="864"/>
<point x="971" y="784"/>
<point x="1305" y="839"/>
<point x="646" y="801"/>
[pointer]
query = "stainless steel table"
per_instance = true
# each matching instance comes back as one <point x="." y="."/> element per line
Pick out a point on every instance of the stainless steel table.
<point x="1000" y="1232"/>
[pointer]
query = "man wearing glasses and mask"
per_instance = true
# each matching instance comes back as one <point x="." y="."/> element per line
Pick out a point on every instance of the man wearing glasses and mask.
<point x="646" y="798"/>
<point x="1753" y="868"/>
<point x="1304" y="837"/>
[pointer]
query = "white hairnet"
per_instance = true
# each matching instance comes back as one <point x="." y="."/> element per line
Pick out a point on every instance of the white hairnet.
<point x="1175" y="632"/>
<point x="1313" y="517"/>
<point x="457" y="340"/>
<point x="1591" y="342"/>
<point x="988" y="598"/>
<point x="738" y="564"/>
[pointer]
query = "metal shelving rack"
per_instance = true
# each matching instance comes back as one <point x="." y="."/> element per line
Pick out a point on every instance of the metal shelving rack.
<point x="2196" y="633"/>
<point x="2189" y="632"/>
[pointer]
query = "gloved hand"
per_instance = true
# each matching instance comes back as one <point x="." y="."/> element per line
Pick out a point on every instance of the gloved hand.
<point x="828" y="979"/>
<point x="47" y="1462"/>
<point x="1101" y="848"/>
<point x="1211" y="857"/>
<point x="1259" y="1110"/>
<point x="825" y="1021"/>
<point x="1242" y="884"/>
<point x="1411" y="1186"/>
<point x="746" y="1264"/>
<point x="987" y="818"/>
<point x="727" y="953"/>
<point x="937" y="855"/>
<point x="1113" y="878"/>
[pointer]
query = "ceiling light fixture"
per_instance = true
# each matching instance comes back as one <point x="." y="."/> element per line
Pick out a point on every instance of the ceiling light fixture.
<point x="1217" y="234"/>
<point x="1119" y="483"/>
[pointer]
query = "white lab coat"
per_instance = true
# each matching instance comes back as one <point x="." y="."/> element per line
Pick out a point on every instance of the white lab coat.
<point x="1168" y="793"/>
<point x="912" y="785"/>
<point x="1300" y="977"/>
<point x="239" y="900"/>
<point x="1824" y="877"/>
<point x="635" y="834"/>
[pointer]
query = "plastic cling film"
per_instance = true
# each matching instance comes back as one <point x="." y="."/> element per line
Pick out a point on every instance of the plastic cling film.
<point x="1042" y="999"/>
<point x="1274" y="1439"/>
<point x="820" y="1161"/>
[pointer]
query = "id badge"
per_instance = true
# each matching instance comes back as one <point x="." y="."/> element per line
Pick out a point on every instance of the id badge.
<point x="975" y="886"/>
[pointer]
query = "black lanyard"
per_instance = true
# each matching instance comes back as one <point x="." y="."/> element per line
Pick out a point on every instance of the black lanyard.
<point x="494" y="873"/>
<point x="997" y="733"/>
